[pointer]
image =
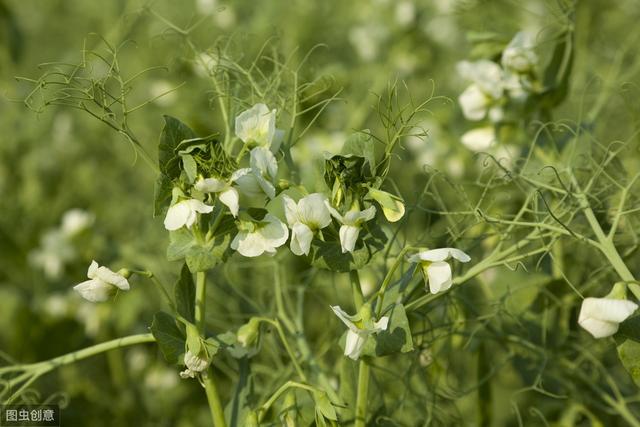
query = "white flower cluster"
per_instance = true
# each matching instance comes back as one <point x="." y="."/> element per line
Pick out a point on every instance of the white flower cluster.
<point x="493" y="85"/>
<point x="255" y="184"/>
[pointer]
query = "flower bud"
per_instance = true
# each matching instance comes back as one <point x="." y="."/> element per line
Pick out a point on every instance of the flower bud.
<point x="249" y="332"/>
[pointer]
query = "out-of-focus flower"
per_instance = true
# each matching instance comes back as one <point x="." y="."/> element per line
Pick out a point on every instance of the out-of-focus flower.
<point x="435" y="269"/>
<point x="76" y="220"/>
<point x="184" y="213"/>
<point x="405" y="13"/>
<point x="305" y="217"/>
<point x="479" y="139"/>
<point x="366" y="40"/>
<point x="601" y="317"/>
<point x="519" y="56"/>
<point x="483" y="96"/>
<point x="163" y="93"/>
<point x="102" y="284"/>
<point x="351" y="223"/>
<point x="360" y="327"/>
<point x="54" y="252"/>
<point x="255" y="238"/>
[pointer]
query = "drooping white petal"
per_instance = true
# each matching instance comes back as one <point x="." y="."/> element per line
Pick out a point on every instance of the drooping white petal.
<point x="479" y="139"/>
<point x="275" y="232"/>
<point x="95" y="290"/>
<point x="354" y="344"/>
<point x="601" y="316"/>
<point x="197" y="206"/>
<point x="112" y="278"/>
<point x="256" y="125"/>
<point x="76" y="220"/>
<point x="231" y="199"/>
<point x="93" y="269"/>
<point x="440" y="254"/>
<point x="345" y="318"/>
<point x="301" y="237"/>
<point x="263" y="162"/>
<point x="356" y="217"/>
<point x="382" y="324"/>
<point x="474" y="103"/>
<point x="266" y="237"/>
<point x="439" y="274"/>
<point x="210" y="185"/>
<point x="313" y="211"/>
<point x="248" y="244"/>
<point x="177" y="216"/>
<point x="348" y="237"/>
<point x="290" y="210"/>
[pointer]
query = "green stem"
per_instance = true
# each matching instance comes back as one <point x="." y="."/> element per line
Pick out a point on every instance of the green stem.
<point x="363" y="373"/>
<point x="358" y="298"/>
<point x="201" y="296"/>
<point x="215" y="404"/>
<point x="363" y="391"/>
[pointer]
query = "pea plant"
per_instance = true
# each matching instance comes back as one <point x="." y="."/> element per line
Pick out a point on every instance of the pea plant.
<point x="359" y="314"/>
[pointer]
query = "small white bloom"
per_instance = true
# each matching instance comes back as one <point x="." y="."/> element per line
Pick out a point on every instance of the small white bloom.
<point x="255" y="238"/>
<point x="601" y="317"/>
<point x="305" y="218"/>
<point x="102" y="284"/>
<point x="519" y="55"/>
<point x="54" y="252"/>
<point x="351" y="223"/>
<point x="479" y="139"/>
<point x="257" y="180"/>
<point x="227" y="194"/>
<point x="257" y="125"/>
<point x="486" y="90"/>
<point x="185" y="213"/>
<point x="76" y="220"/>
<point x="194" y="364"/>
<point x="436" y="271"/>
<point x="359" y="331"/>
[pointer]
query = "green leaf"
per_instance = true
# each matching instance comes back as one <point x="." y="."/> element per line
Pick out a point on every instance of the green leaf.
<point x="629" y="353"/>
<point x="361" y="144"/>
<point x="324" y="405"/>
<point x="395" y="339"/>
<point x="199" y="256"/>
<point x="185" y="294"/>
<point x="169" y="337"/>
<point x="173" y="133"/>
<point x="162" y="194"/>
<point x="630" y="328"/>
<point x="190" y="167"/>
<point x="328" y="254"/>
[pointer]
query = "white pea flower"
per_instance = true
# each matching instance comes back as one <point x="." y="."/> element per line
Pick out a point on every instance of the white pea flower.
<point x="227" y="194"/>
<point x="305" y="218"/>
<point x="351" y="223"/>
<point x="484" y="94"/>
<point x="479" y="139"/>
<point x="601" y="317"/>
<point x="76" y="220"/>
<point x="184" y="213"/>
<point x="436" y="271"/>
<point x="255" y="238"/>
<point x="360" y="327"/>
<point x="519" y="55"/>
<point x="257" y="125"/>
<point x="54" y="252"/>
<point x="257" y="180"/>
<point x="194" y="364"/>
<point x="102" y="284"/>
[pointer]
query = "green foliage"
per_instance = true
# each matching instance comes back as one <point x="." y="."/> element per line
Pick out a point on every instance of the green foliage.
<point x="170" y="338"/>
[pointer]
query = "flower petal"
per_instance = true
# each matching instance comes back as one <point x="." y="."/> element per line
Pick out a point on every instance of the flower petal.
<point x="313" y="211"/>
<point x="301" y="237"/>
<point x="210" y="185"/>
<point x="348" y="237"/>
<point x="440" y="254"/>
<point x="382" y="324"/>
<point x="95" y="290"/>
<point x="346" y="319"/>
<point x="354" y="344"/>
<point x="112" y="278"/>
<point x="479" y="139"/>
<point x="231" y="198"/>
<point x="474" y="103"/>
<point x="439" y="274"/>
<point x="177" y="216"/>
<point x="93" y="269"/>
